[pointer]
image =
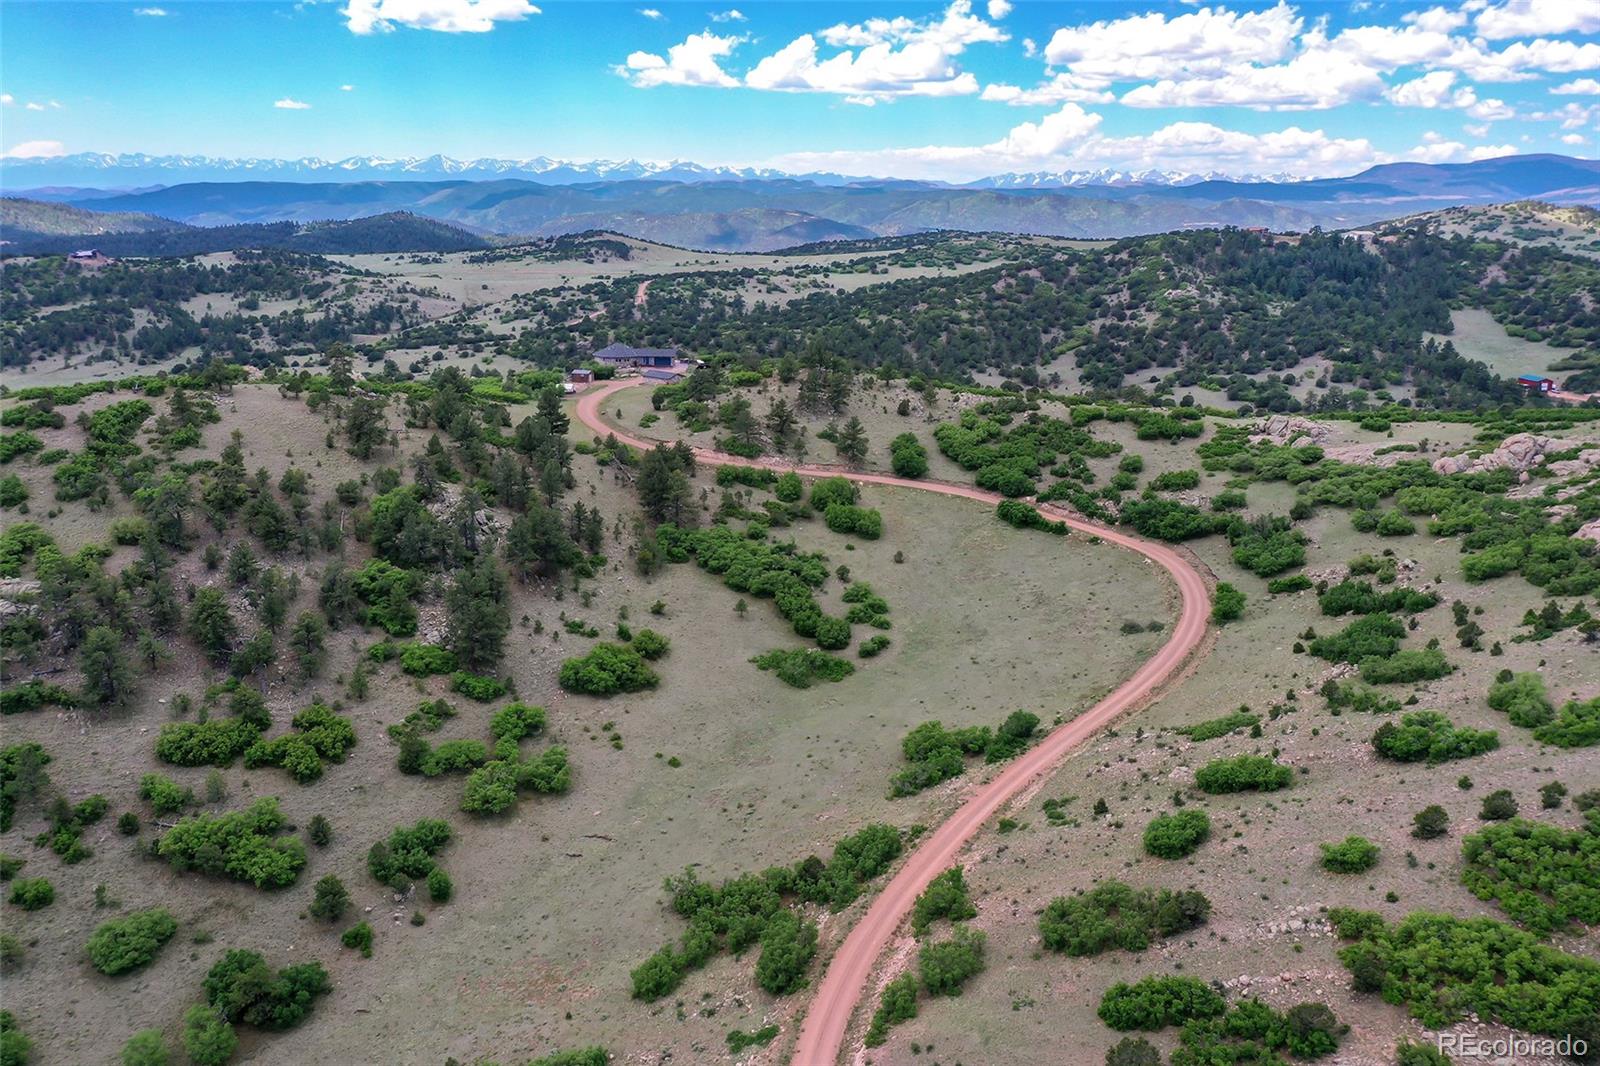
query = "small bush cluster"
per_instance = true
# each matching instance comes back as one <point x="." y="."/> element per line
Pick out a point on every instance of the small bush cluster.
<point x="753" y="909"/>
<point x="1243" y="773"/>
<point x="937" y="754"/>
<point x="1173" y="836"/>
<point x="1544" y="877"/>
<point x="847" y="518"/>
<point x="320" y="736"/>
<point x="1157" y="1002"/>
<point x="243" y="990"/>
<point x="1428" y="736"/>
<point x="803" y="667"/>
<point x="1352" y="855"/>
<point x="607" y="670"/>
<point x="945" y="897"/>
<point x="1016" y="513"/>
<point x="946" y="965"/>
<point x="1212" y="728"/>
<point x="244" y="845"/>
<point x="1112" y="915"/>
<point x="131" y="941"/>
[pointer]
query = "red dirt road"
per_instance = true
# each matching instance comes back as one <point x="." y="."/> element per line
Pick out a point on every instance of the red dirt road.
<point x="848" y="972"/>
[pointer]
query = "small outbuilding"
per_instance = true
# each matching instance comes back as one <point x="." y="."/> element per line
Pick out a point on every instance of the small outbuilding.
<point x="1535" y="383"/>
<point x="581" y="376"/>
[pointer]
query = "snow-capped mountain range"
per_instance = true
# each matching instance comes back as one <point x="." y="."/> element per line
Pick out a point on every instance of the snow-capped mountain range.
<point x="127" y="170"/>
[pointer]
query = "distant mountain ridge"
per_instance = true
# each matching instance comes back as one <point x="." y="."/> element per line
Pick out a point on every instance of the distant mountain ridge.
<point x="769" y="212"/>
<point x="137" y="168"/>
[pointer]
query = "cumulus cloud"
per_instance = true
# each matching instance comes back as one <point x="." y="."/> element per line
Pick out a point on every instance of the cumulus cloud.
<point x="1580" y="87"/>
<point x="1572" y="138"/>
<point x="1210" y="40"/>
<point x="999" y="9"/>
<point x="650" y="13"/>
<point x="1071" y="139"/>
<point x="35" y="150"/>
<point x="694" y="62"/>
<point x="1434" y="89"/>
<point x="289" y="103"/>
<point x="6" y="99"/>
<point x="1437" y="149"/>
<point x="1061" y="89"/>
<point x="881" y="58"/>
<point x="151" y="12"/>
<point x="1536" y="18"/>
<point x="733" y="14"/>
<point x="1313" y="80"/>
<point x="443" y="16"/>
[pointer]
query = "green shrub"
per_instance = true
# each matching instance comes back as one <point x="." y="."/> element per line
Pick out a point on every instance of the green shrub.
<point x="1576" y="725"/>
<point x="828" y="491"/>
<point x="32" y="893"/>
<point x="1157" y="1002"/>
<point x="1501" y="973"/>
<point x="1112" y="915"/>
<point x="33" y="694"/>
<point x="1175" y="481"/>
<point x="129" y="942"/>
<point x="872" y="646"/>
<point x="1419" y="664"/>
<point x="1430" y="822"/>
<point x="1018" y="514"/>
<point x="650" y="645"/>
<point x="215" y="742"/>
<point x="1523" y="699"/>
<point x="803" y="667"/>
<point x="207" y="1037"/>
<point x="145" y="1048"/>
<point x="358" y="938"/>
<point x="1544" y="877"/>
<point x="440" y="887"/>
<point x="242" y="988"/>
<point x="408" y="854"/>
<point x="1429" y="736"/>
<point x="330" y="899"/>
<point x="1173" y="836"/>
<point x="1243" y="773"/>
<point x="164" y="795"/>
<point x="476" y="687"/>
<point x="607" y="670"/>
<point x="589" y="1056"/>
<point x="425" y="660"/>
<point x="945" y="897"/>
<point x="1133" y="1051"/>
<point x="244" y="845"/>
<point x="907" y="456"/>
<point x="1498" y="806"/>
<point x="1374" y="635"/>
<point x="739" y="1041"/>
<point x="898" y="1004"/>
<point x="946" y="965"/>
<point x="1212" y="728"/>
<point x="849" y="519"/>
<point x="1352" y="855"/>
<point x="788" y="945"/>
<point x="1227" y="603"/>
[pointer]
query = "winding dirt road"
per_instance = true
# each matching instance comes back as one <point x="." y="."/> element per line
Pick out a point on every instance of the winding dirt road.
<point x="849" y="971"/>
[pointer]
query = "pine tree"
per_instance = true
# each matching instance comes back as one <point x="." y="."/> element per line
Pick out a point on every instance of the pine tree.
<point x="550" y="410"/>
<point x="780" y="424"/>
<point x="479" y="616"/>
<point x="536" y="543"/>
<point x="852" y="442"/>
<point x="108" y="681"/>
<point x="211" y="624"/>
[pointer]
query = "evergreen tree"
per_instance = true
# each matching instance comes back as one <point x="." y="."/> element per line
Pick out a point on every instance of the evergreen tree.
<point x="852" y="442"/>
<point x="108" y="681"/>
<point x="211" y="624"/>
<point x="479" y="615"/>
<point x="536" y="543"/>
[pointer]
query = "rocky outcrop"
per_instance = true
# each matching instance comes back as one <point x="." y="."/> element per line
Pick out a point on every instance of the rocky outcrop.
<point x="1521" y="452"/>
<point x="1290" y="429"/>
<point x="1589" y="531"/>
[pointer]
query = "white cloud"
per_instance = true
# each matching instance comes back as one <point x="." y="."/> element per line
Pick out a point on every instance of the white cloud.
<point x="651" y="13"/>
<point x="881" y="58"/>
<point x="1209" y="40"/>
<point x="1070" y="140"/>
<point x="289" y="103"/>
<point x="733" y="14"/>
<point x="1580" y="87"/>
<point x="6" y="99"/>
<point x="999" y="9"/>
<point x="347" y="88"/>
<point x="1434" y="89"/>
<point x="1061" y="89"/>
<point x="1313" y="80"/>
<point x="444" y="16"/>
<point x="1030" y="47"/>
<point x="1436" y="149"/>
<point x="1477" y="129"/>
<point x="1535" y="18"/>
<point x="694" y="62"/>
<point x="151" y="12"/>
<point x="35" y="150"/>
<point x="1436" y="19"/>
<point x="1572" y="116"/>
<point x="1572" y="138"/>
<point x="1491" y="110"/>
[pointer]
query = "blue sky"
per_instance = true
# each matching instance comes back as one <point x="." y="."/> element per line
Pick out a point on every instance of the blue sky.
<point x="947" y="90"/>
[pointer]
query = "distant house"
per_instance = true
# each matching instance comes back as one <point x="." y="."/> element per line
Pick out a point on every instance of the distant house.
<point x="620" y="355"/>
<point x="581" y="376"/>
<point x="89" y="257"/>
<point x="1535" y="383"/>
<point x="660" y="374"/>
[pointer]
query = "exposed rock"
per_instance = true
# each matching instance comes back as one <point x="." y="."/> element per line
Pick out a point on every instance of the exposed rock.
<point x="1288" y="429"/>
<point x="1589" y="531"/>
<point x="1521" y="452"/>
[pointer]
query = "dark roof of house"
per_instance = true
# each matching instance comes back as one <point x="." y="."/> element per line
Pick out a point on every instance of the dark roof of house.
<point x="658" y="374"/>
<point x="622" y="351"/>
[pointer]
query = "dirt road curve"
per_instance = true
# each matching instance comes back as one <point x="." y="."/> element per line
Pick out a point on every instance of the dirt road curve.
<point x="822" y="1035"/>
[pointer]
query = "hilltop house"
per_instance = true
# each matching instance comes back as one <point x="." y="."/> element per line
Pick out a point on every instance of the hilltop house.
<point x="620" y="355"/>
<point x="1535" y="383"/>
